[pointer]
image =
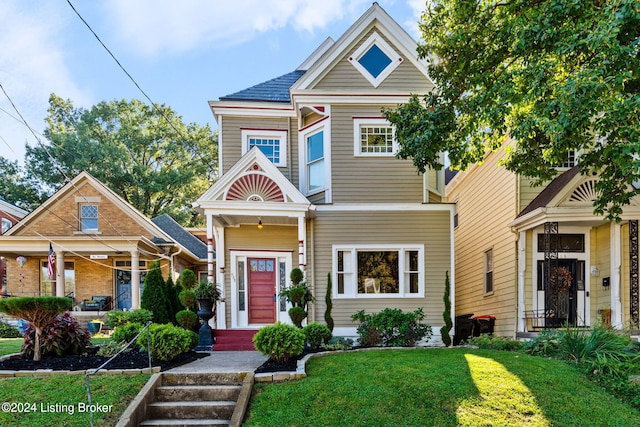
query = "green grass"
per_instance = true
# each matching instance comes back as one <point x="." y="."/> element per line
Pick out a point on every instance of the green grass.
<point x="439" y="387"/>
<point x="58" y="400"/>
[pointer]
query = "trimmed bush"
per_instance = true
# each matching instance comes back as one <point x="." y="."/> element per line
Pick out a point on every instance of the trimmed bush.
<point x="168" y="341"/>
<point x="316" y="334"/>
<point x="446" y="314"/>
<point x="279" y="341"/>
<point x="187" y="279"/>
<point x="187" y="319"/>
<point x="125" y="333"/>
<point x="8" y="331"/>
<point x="188" y="299"/>
<point x="329" y="304"/>
<point x="297" y="315"/>
<point x="154" y="297"/>
<point x="64" y="336"/>
<point x="391" y="328"/>
<point x="117" y="318"/>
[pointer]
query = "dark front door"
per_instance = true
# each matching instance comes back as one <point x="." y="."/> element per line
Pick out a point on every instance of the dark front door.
<point x="262" y="290"/>
<point x="565" y="289"/>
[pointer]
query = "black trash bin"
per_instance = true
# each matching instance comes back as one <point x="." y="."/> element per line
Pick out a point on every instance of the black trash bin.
<point x="483" y="325"/>
<point x="463" y="329"/>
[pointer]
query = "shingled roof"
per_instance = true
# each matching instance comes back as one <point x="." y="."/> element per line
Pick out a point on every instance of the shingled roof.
<point x="181" y="236"/>
<point x="550" y="191"/>
<point x="274" y="90"/>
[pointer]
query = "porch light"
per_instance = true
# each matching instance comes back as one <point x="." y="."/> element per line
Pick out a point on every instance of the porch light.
<point x="260" y="224"/>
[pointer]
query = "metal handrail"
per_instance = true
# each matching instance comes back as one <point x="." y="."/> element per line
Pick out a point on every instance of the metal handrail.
<point x="95" y="371"/>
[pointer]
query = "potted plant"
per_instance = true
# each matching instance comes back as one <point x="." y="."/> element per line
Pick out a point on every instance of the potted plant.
<point x="95" y="326"/>
<point x="207" y="294"/>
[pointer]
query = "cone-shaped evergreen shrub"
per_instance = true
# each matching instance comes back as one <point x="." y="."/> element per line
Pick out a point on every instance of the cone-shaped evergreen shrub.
<point x="154" y="297"/>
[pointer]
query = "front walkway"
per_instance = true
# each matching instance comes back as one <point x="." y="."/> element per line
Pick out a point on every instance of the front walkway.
<point x="224" y="361"/>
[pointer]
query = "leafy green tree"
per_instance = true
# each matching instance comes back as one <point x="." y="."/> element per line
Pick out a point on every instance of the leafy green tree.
<point x="147" y="155"/>
<point x="554" y="75"/>
<point x="17" y="187"/>
<point x="154" y="297"/>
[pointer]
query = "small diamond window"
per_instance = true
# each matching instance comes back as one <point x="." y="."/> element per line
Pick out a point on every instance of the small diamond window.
<point x="375" y="59"/>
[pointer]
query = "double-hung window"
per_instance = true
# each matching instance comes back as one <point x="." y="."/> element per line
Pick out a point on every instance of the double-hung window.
<point x="379" y="271"/>
<point x="373" y="137"/>
<point x="88" y="217"/>
<point x="314" y="145"/>
<point x="271" y="142"/>
<point x="488" y="271"/>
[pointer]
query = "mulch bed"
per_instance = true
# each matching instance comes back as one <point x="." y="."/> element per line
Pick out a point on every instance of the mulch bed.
<point x="128" y="360"/>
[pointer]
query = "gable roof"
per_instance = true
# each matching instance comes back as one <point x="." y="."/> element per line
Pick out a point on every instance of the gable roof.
<point x="550" y="191"/>
<point x="181" y="236"/>
<point x="274" y="90"/>
<point x="12" y="210"/>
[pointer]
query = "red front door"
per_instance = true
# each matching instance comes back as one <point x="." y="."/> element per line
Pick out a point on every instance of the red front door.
<point x="262" y="288"/>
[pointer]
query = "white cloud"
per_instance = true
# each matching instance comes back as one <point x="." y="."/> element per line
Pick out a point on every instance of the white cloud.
<point x="161" y="26"/>
<point x="32" y="66"/>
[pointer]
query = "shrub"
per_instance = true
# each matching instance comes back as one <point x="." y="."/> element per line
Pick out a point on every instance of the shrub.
<point x="187" y="319"/>
<point x="188" y="299"/>
<point x="125" y="333"/>
<point x="316" y="334"/>
<point x="168" y="341"/>
<point x="279" y="341"/>
<point x="8" y="331"/>
<point x="297" y="315"/>
<point x="391" y="328"/>
<point x="329" y="304"/>
<point x="173" y="303"/>
<point x="62" y="337"/>
<point x="494" y="342"/>
<point x="446" y="315"/>
<point x="117" y="318"/>
<point x="545" y="344"/>
<point x="299" y="295"/>
<point x="187" y="279"/>
<point x="154" y="297"/>
<point x="339" y="343"/>
<point x="111" y="348"/>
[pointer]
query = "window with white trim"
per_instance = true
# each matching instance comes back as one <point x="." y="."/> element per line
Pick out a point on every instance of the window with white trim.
<point x="272" y="143"/>
<point x="88" y="217"/>
<point x="488" y="271"/>
<point x="379" y="271"/>
<point x="373" y="137"/>
<point x="314" y="147"/>
<point x="375" y="59"/>
<point x="6" y="225"/>
<point x="570" y="160"/>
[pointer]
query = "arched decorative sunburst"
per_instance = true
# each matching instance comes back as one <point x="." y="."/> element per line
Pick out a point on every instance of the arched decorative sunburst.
<point x="255" y="187"/>
<point x="585" y="192"/>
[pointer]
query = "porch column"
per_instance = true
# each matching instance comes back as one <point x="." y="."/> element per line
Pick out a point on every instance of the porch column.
<point x="522" y="267"/>
<point x="616" y="248"/>
<point x="135" y="279"/>
<point x="59" y="273"/>
<point x="634" y="274"/>
<point x="302" y="242"/>
<point x="221" y="318"/>
<point x="210" y="234"/>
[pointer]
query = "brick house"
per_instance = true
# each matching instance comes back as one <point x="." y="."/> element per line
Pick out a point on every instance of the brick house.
<point x="9" y="216"/>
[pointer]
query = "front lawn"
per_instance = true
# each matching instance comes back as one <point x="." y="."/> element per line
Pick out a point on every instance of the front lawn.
<point x="439" y="387"/>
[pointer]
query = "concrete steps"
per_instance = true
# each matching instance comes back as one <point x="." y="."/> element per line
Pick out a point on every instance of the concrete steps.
<point x="234" y="340"/>
<point x="194" y="399"/>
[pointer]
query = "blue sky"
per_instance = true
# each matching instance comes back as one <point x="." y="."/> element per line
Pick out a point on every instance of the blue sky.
<point x="182" y="53"/>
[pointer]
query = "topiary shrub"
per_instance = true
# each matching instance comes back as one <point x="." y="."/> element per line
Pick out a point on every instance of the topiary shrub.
<point x="8" y="331"/>
<point x="123" y="334"/>
<point x="391" y="328"/>
<point x="316" y="334"/>
<point x="446" y="315"/>
<point x="188" y="299"/>
<point x="329" y="304"/>
<point x="298" y="295"/>
<point x="117" y="318"/>
<point x="187" y="319"/>
<point x="297" y="315"/>
<point x="279" y="341"/>
<point x="38" y="311"/>
<point x="187" y="279"/>
<point x="64" y="336"/>
<point x="153" y="296"/>
<point x="167" y="341"/>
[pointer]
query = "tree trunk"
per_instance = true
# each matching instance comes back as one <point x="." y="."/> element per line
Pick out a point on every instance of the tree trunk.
<point x="36" y="347"/>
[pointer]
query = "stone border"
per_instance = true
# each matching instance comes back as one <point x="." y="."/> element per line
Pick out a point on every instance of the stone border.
<point x="300" y="372"/>
<point x="51" y="372"/>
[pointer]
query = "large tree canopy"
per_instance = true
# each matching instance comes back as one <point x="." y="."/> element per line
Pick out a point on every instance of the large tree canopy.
<point x="17" y="186"/>
<point x="147" y="155"/>
<point x="554" y="75"/>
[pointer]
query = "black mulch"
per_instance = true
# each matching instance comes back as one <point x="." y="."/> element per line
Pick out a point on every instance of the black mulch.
<point x="128" y="360"/>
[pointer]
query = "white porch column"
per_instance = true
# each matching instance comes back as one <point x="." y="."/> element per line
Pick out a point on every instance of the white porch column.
<point x="135" y="279"/>
<point x="221" y="318"/>
<point x="59" y="274"/>
<point x="302" y="242"/>
<point x="210" y="252"/>
<point x="522" y="267"/>
<point x="616" y="249"/>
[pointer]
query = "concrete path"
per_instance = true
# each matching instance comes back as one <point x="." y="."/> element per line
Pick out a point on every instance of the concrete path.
<point x="224" y="361"/>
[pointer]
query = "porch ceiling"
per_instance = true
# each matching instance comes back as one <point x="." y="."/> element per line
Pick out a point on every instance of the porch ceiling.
<point x="233" y="220"/>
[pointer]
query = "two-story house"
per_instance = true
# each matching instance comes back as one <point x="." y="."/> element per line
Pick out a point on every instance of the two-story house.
<point x="537" y="257"/>
<point x="9" y="216"/>
<point x="309" y="179"/>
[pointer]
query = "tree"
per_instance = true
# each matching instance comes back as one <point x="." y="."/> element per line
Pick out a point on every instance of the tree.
<point x="554" y="75"/>
<point x="147" y="155"/>
<point x="154" y="297"/>
<point x="17" y="188"/>
<point x="39" y="311"/>
<point x="446" y="314"/>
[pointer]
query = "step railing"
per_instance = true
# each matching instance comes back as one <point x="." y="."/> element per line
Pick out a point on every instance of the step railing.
<point x="95" y="371"/>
